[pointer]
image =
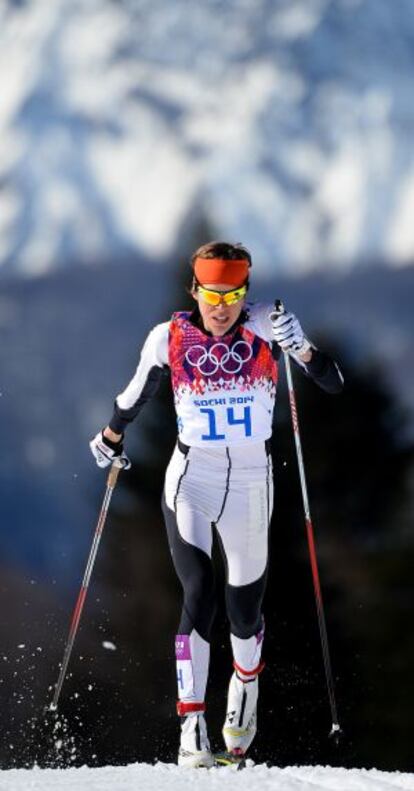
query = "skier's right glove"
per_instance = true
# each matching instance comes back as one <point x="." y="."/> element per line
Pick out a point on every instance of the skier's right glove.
<point x="288" y="333"/>
<point x="106" y="451"/>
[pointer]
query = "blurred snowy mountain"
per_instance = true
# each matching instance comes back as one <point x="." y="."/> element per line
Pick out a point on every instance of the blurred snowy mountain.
<point x="286" y="124"/>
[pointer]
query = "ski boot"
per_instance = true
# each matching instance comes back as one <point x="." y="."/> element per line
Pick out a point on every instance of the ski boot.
<point x="240" y="724"/>
<point x="194" y="749"/>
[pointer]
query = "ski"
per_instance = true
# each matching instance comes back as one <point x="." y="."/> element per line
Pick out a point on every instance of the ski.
<point x="230" y="759"/>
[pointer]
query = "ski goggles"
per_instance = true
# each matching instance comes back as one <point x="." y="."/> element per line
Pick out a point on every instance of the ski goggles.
<point x="217" y="297"/>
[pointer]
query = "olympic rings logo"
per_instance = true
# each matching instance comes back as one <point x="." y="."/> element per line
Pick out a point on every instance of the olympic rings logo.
<point x="230" y="361"/>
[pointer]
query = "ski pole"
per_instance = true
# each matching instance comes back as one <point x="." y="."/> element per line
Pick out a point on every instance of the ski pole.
<point x="335" y="729"/>
<point x="110" y="486"/>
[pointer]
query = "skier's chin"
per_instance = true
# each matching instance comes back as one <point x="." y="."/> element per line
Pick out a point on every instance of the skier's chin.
<point x="218" y="327"/>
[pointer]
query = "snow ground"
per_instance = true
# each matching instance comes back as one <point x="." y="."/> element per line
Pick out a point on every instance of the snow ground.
<point x="168" y="776"/>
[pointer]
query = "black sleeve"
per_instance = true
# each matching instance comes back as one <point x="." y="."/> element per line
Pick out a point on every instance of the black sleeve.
<point x="324" y="371"/>
<point x="145" y="381"/>
<point x="121" y="417"/>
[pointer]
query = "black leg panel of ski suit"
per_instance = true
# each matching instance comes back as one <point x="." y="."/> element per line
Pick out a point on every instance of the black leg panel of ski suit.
<point x="195" y="572"/>
<point x="244" y="607"/>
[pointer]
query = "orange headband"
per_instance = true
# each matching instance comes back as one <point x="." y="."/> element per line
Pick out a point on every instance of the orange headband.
<point x="219" y="270"/>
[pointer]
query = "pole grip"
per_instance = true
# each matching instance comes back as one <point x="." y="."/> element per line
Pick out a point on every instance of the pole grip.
<point x="278" y="309"/>
<point x="113" y="475"/>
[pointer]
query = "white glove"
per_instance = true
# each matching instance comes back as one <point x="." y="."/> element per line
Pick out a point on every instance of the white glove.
<point x="106" y="451"/>
<point x="288" y="333"/>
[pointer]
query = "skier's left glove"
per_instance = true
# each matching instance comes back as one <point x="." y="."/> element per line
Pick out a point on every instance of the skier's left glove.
<point x="288" y="333"/>
<point x="106" y="451"/>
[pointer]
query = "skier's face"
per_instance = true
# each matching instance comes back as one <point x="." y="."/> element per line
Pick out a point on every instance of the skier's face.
<point x="218" y="319"/>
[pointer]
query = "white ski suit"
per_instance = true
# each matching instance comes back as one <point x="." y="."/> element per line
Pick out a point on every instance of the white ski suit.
<point x="220" y="475"/>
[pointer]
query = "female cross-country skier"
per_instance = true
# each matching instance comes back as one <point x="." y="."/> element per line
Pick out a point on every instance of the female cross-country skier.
<point x="223" y="360"/>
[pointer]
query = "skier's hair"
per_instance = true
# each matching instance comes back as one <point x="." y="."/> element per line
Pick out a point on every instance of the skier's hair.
<point x="230" y="252"/>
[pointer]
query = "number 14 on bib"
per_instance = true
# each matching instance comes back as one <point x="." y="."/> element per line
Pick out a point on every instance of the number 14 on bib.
<point x="232" y="420"/>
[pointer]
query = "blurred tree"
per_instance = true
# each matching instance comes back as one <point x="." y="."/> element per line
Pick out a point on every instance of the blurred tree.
<point x="359" y="475"/>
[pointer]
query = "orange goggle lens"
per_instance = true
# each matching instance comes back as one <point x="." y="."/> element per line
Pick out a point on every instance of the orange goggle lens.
<point x="228" y="297"/>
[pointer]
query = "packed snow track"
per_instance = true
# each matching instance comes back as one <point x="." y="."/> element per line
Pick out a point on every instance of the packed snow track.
<point x="168" y="777"/>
